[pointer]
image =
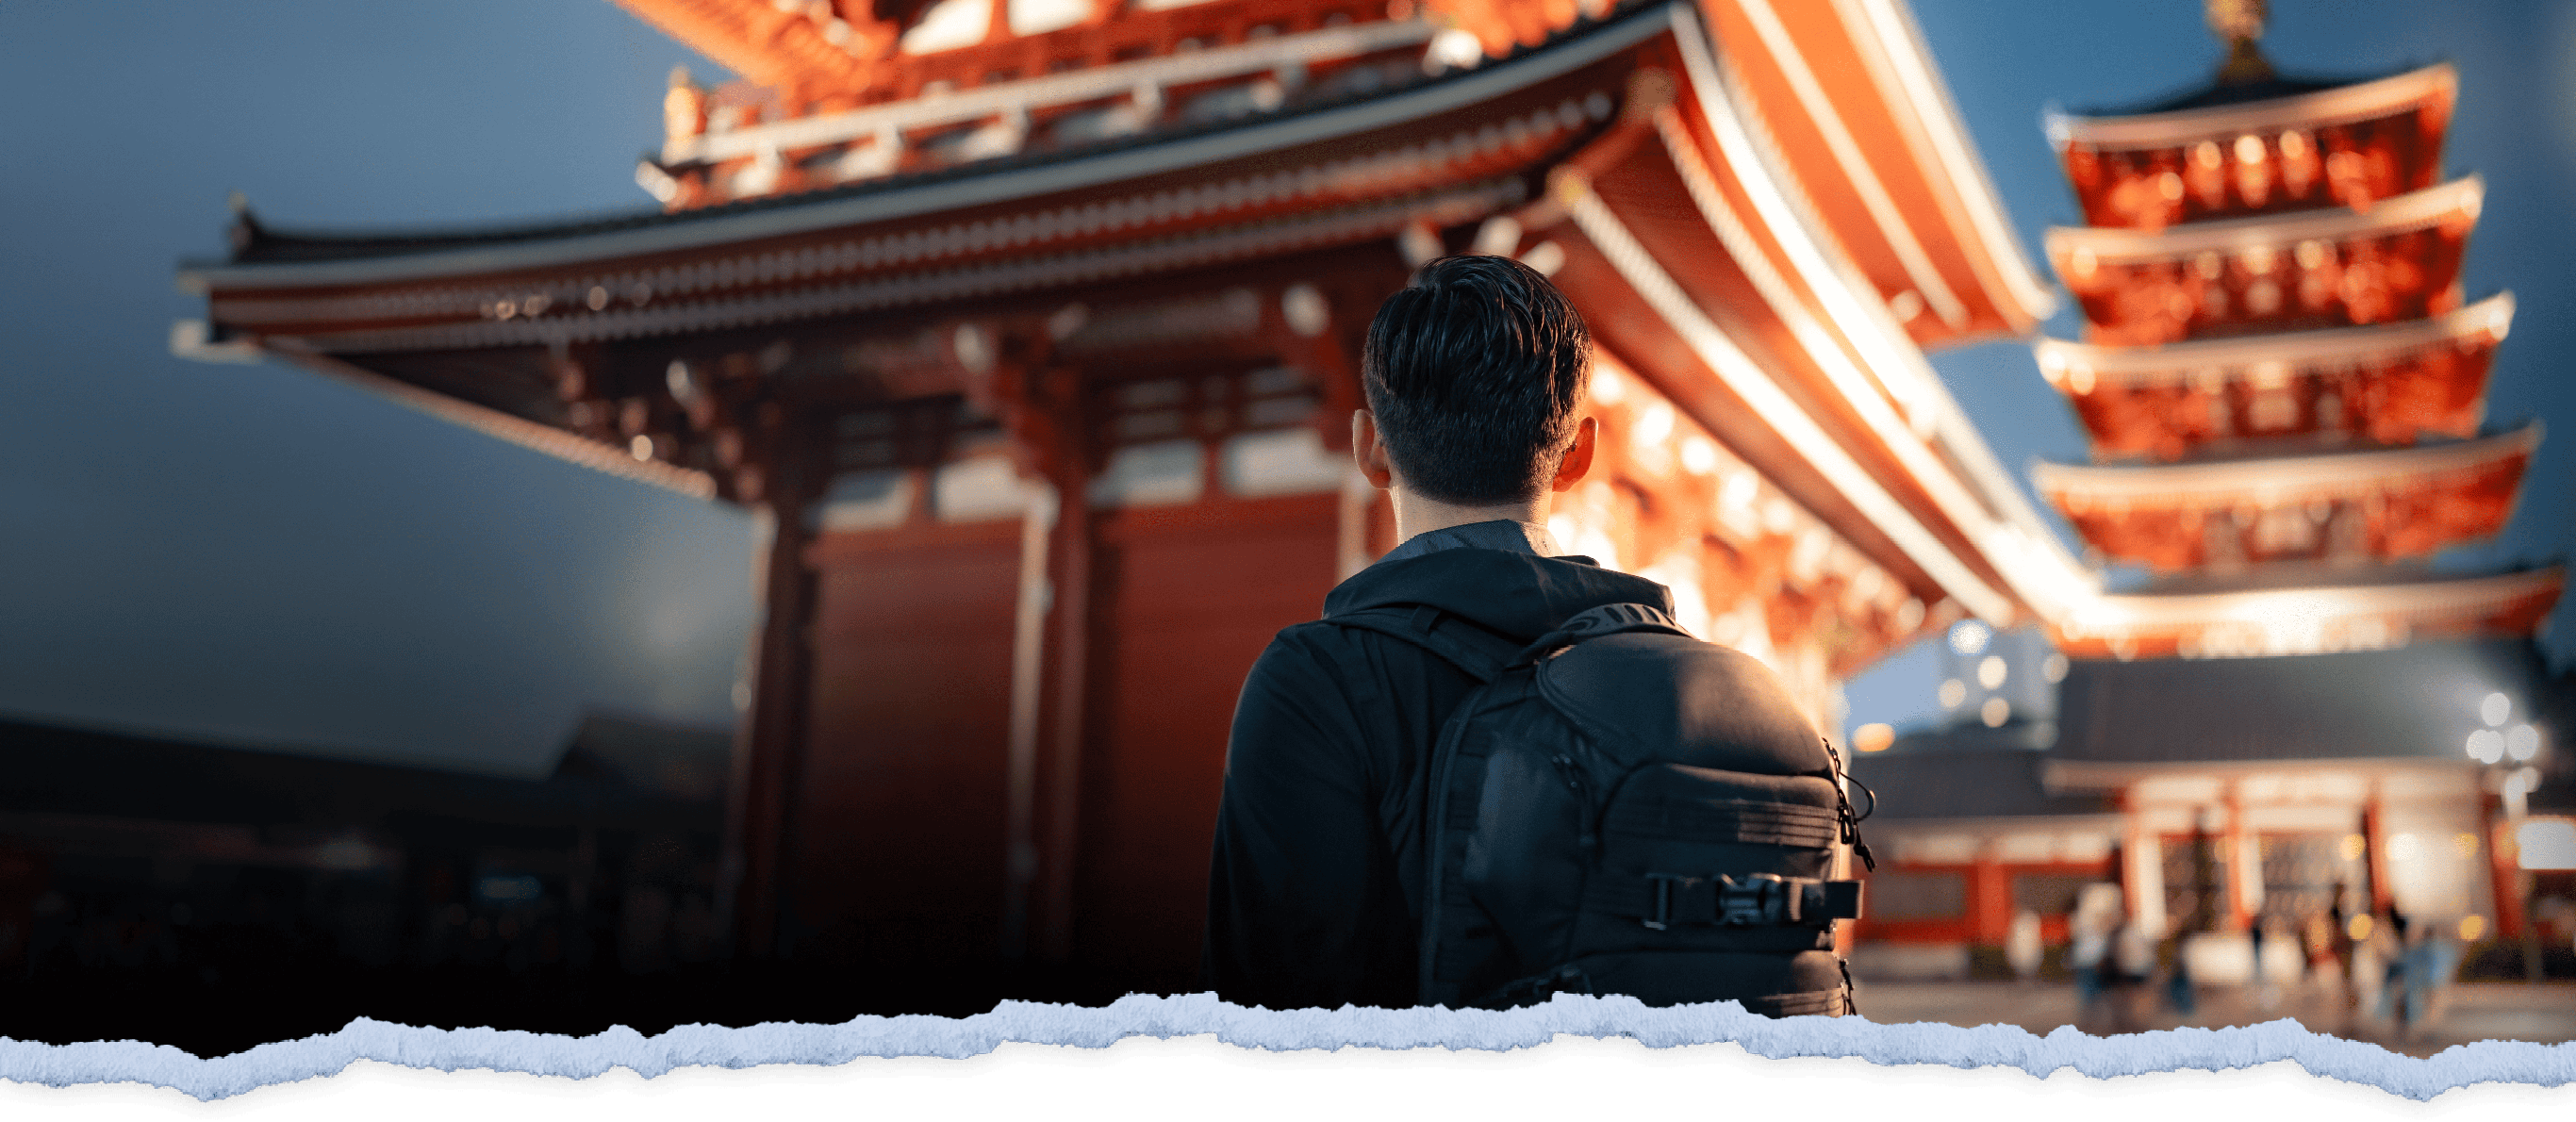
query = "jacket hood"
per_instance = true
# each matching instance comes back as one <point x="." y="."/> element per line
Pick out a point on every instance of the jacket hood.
<point x="1521" y="595"/>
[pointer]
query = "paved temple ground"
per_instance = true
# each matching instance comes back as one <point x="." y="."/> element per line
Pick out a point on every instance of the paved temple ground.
<point x="2469" y="1011"/>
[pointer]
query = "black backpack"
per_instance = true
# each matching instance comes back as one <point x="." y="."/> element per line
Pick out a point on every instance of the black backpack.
<point x="1623" y="809"/>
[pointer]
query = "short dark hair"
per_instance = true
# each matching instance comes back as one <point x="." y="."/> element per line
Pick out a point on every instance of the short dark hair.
<point x="1473" y="372"/>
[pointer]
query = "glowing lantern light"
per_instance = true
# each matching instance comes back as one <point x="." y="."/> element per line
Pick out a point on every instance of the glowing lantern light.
<point x="2485" y="746"/>
<point x="2547" y="843"/>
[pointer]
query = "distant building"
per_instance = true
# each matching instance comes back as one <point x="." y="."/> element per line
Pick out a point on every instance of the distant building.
<point x="252" y="895"/>
<point x="1967" y="834"/>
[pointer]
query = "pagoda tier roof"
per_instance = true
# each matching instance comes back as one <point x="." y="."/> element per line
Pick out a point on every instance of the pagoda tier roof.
<point x="2227" y="484"/>
<point x="2409" y="707"/>
<point x="2228" y="111"/>
<point x="2310" y="269"/>
<point x="2385" y="383"/>
<point x="2239" y="356"/>
<point x="2339" y="506"/>
<point x="2415" y="210"/>
<point x="2274" y="146"/>
<point x="2320" y="619"/>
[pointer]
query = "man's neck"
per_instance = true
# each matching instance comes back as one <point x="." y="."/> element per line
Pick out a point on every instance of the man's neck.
<point x="1416" y="515"/>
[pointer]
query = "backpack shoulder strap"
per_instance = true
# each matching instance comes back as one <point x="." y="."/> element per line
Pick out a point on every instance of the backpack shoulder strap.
<point x="1481" y="653"/>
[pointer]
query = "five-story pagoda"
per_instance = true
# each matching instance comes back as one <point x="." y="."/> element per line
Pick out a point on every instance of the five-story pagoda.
<point x="2284" y="389"/>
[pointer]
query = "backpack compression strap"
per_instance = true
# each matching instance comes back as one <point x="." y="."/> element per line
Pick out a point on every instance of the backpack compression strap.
<point x="1484" y="654"/>
<point x="1662" y="900"/>
<point x="1593" y="623"/>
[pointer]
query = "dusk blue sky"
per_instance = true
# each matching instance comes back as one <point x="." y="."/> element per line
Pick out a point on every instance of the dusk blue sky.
<point x="258" y="555"/>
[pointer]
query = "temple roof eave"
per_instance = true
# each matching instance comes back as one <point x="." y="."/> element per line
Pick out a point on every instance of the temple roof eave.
<point x="1253" y="56"/>
<point x="2305" y="620"/>
<point x="1761" y="208"/>
<point x="2413" y="210"/>
<point x="1884" y="159"/>
<point x="930" y="193"/>
<point x="1821" y="425"/>
<point x="934" y="284"/>
<point x="2493" y="316"/>
<point x="2073" y="775"/>
<point x="2258" y="479"/>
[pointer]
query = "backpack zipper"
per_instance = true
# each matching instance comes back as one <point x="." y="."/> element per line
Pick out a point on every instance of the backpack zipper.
<point x="1843" y="808"/>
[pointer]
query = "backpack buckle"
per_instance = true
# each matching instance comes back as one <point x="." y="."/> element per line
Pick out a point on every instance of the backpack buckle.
<point x="1757" y="899"/>
<point x="1664" y="883"/>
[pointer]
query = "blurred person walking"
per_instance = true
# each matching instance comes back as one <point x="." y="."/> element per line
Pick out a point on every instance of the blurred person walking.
<point x="2388" y="943"/>
<point x="2180" y="997"/>
<point x="2372" y="962"/>
<point x="2419" y="975"/>
<point x="2098" y="918"/>
<point x="2135" y="950"/>
<point x="2330" y="950"/>
<point x="2023" y="947"/>
<point x="2267" y="988"/>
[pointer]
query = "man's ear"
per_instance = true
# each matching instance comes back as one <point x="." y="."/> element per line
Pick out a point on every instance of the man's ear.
<point x="1369" y="451"/>
<point x="1578" y="457"/>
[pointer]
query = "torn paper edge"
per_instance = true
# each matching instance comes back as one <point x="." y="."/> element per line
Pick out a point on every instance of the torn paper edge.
<point x="1029" y="1022"/>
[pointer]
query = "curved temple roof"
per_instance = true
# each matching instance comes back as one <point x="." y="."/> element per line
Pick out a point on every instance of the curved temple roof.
<point x="1872" y="445"/>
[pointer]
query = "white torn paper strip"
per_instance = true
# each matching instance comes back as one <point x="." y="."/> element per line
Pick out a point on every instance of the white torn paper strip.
<point x="2511" y="1062"/>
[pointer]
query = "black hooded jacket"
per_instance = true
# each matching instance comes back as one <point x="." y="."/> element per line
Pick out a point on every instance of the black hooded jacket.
<point x="1315" y="888"/>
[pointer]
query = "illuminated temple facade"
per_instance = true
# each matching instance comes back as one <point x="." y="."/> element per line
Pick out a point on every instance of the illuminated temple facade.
<point x="2283" y="382"/>
<point x="1031" y="327"/>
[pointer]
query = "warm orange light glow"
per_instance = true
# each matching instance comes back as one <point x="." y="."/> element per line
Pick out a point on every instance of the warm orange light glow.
<point x="1873" y="737"/>
<point x="1990" y="673"/>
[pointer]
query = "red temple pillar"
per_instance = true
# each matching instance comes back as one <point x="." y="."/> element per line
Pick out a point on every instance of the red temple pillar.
<point x="2141" y="853"/>
<point x="2504" y="873"/>
<point x="1046" y="414"/>
<point x="2374" y="848"/>
<point x="2241" y="869"/>
<point x="1990" y="903"/>
<point x="767" y="748"/>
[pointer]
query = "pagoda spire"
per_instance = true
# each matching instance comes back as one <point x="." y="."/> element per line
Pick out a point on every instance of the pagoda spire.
<point x="2239" y="23"/>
